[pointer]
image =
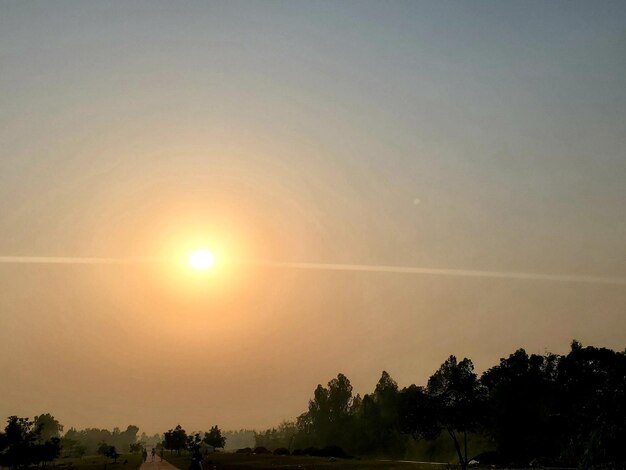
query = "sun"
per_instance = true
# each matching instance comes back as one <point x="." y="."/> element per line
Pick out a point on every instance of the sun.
<point x="202" y="259"/>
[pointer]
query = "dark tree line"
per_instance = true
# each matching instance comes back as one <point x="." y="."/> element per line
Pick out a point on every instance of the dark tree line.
<point x="27" y="443"/>
<point x="77" y="443"/>
<point x="543" y="409"/>
<point x="177" y="440"/>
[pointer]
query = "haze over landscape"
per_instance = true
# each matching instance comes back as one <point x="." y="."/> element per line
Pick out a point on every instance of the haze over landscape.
<point x="478" y="136"/>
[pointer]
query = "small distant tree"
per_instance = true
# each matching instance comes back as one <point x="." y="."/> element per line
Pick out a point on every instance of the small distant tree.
<point x="108" y="451"/>
<point x="112" y="453"/>
<point x="175" y="439"/>
<point x="214" y="438"/>
<point x="135" y="448"/>
<point x="103" y="448"/>
<point x="72" y="447"/>
<point x="193" y="442"/>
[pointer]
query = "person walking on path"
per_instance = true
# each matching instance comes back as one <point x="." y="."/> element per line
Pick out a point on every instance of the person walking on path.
<point x="152" y="454"/>
<point x="144" y="454"/>
<point x="165" y="465"/>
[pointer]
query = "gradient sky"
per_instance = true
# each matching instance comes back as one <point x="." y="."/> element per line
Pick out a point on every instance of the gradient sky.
<point x="483" y="135"/>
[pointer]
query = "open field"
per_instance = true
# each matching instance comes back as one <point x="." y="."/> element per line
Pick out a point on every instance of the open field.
<point x="228" y="461"/>
<point x="124" y="462"/>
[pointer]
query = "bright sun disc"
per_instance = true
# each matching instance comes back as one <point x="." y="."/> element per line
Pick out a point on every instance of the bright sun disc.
<point x="202" y="260"/>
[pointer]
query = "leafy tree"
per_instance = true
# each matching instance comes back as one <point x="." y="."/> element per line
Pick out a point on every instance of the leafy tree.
<point x="386" y="398"/>
<point x="242" y="438"/>
<point x="417" y="415"/>
<point x="48" y="426"/>
<point x="103" y="448"/>
<point x="329" y="411"/>
<point x="21" y="444"/>
<point x="456" y="396"/>
<point x="364" y="430"/>
<point x="175" y="439"/>
<point x="112" y="453"/>
<point x="374" y="421"/>
<point x="123" y="440"/>
<point x="17" y="442"/>
<point x="592" y="406"/>
<point x="193" y="443"/>
<point x="48" y="451"/>
<point x="135" y="448"/>
<point x="214" y="438"/>
<point x="280" y="437"/>
<point x="522" y="395"/>
<point x="150" y="441"/>
<point x="540" y="409"/>
<point x="72" y="447"/>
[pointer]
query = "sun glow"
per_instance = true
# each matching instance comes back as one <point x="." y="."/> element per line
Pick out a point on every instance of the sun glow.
<point x="202" y="259"/>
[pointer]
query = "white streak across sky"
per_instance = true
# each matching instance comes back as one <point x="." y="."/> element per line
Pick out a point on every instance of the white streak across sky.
<point x="73" y="260"/>
<point x="513" y="275"/>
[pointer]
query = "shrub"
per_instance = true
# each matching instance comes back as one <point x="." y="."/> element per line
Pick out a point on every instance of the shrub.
<point x="334" y="451"/>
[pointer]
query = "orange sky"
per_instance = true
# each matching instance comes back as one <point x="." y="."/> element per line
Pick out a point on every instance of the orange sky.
<point x="483" y="138"/>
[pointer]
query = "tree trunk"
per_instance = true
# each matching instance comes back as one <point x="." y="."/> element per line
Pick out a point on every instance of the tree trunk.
<point x="465" y="444"/>
<point x="457" y="446"/>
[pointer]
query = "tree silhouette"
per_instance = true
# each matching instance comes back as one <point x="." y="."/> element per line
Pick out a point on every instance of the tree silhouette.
<point x="417" y="416"/>
<point x="592" y="405"/>
<point x="329" y="411"/>
<point x="214" y="438"/>
<point x="522" y="391"/>
<point x="21" y="444"/>
<point x="47" y="426"/>
<point x="456" y="396"/>
<point x="175" y="439"/>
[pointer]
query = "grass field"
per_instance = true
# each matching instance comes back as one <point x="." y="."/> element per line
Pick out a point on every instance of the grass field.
<point x="228" y="461"/>
<point x="124" y="462"/>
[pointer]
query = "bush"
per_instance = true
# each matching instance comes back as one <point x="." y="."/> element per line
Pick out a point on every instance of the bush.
<point x="261" y="450"/>
<point x="245" y="450"/>
<point x="334" y="451"/>
<point x="298" y="452"/>
<point x="281" y="451"/>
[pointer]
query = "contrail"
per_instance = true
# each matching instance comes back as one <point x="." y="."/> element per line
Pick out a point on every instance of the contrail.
<point x="373" y="268"/>
<point x="619" y="281"/>
<point x="74" y="260"/>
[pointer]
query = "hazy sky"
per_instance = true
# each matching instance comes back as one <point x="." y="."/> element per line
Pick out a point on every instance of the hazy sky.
<point x="456" y="135"/>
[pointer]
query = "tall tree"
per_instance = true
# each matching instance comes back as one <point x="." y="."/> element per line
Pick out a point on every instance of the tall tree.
<point x="21" y="444"/>
<point x="175" y="439"/>
<point x="329" y="412"/>
<point x="522" y="397"/>
<point x="214" y="438"/>
<point x="48" y="426"/>
<point x="386" y="397"/>
<point x="417" y="416"/>
<point x="456" y="395"/>
<point x="591" y="387"/>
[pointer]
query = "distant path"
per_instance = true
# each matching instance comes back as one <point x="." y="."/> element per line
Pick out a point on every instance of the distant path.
<point x="157" y="465"/>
